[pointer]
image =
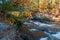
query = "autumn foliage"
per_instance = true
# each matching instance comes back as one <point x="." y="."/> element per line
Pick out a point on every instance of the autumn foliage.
<point x="24" y="2"/>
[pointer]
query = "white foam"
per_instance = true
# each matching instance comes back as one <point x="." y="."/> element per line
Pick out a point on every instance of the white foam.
<point x="57" y="35"/>
<point x="46" y="38"/>
<point x="33" y="29"/>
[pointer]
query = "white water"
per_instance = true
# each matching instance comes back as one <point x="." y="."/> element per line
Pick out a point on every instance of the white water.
<point x="46" y="38"/>
<point x="33" y="30"/>
<point x="57" y="35"/>
<point x="43" y="24"/>
<point x="51" y="36"/>
<point x="40" y="24"/>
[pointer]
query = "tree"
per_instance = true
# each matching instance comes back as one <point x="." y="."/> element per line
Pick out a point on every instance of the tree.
<point x="24" y="2"/>
<point x="9" y="6"/>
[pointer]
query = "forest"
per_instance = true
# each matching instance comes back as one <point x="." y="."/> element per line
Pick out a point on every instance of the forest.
<point x="29" y="19"/>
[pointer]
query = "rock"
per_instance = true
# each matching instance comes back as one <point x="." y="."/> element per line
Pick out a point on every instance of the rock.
<point x="38" y="29"/>
<point x="7" y="31"/>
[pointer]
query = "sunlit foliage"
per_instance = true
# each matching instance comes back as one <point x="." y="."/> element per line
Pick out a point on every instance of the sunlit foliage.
<point x="27" y="14"/>
<point x="24" y="2"/>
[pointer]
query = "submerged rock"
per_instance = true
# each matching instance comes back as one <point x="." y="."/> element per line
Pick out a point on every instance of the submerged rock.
<point x="39" y="31"/>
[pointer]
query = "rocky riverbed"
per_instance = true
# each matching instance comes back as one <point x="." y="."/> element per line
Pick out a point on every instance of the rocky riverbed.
<point x="31" y="30"/>
<point x="6" y="31"/>
<point x="9" y="32"/>
<point x="42" y="31"/>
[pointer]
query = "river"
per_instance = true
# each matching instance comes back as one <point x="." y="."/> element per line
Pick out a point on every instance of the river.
<point x="38" y="30"/>
<point x="46" y="31"/>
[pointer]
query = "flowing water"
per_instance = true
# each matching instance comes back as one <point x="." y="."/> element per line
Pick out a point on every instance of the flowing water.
<point x="51" y="31"/>
<point x="39" y="31"/>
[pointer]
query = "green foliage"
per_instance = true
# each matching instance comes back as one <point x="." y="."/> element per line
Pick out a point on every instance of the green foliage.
<point x="7" y="6"/>
<point x="20" y="18"/>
